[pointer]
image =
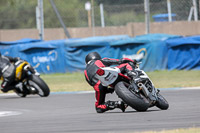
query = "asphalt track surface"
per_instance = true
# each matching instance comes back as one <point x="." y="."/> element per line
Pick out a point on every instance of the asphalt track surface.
<point x="63" y="113"/>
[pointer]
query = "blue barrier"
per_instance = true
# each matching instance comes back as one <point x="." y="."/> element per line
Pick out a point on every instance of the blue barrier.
<point x="184" y="53"/>
<point x="45" y="56"/>
<point x="155" y="51"/>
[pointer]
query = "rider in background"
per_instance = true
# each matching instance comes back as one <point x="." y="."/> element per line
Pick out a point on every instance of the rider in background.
<point x="7" y="72"/>
<point x="93" y="62"/>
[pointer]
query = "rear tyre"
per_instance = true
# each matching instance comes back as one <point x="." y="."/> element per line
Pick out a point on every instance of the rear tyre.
<point x="41" y="87"/>
<point x="136" y="101"/>
<point x="162" y="102"/>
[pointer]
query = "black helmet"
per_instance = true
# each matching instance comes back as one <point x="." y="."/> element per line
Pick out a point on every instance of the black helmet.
<point x="92" y="56"/>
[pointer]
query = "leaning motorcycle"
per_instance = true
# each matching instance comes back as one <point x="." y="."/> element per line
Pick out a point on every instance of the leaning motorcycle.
<point x="27" y="82"/>
<point x="138" y="92"/>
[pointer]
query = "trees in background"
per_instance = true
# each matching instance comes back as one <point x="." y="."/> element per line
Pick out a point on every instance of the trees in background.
<point x="16" y="14"/>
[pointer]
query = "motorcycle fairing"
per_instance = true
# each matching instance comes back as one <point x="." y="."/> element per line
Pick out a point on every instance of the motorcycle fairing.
<point x="110" y="75"/>
<point x="19" y="69"/>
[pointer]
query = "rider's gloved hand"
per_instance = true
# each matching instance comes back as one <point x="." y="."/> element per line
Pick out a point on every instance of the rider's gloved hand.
<point x="37" y="73"/>
<point x="16" y="59"/>
<point x="127" y="60"/>
<point x="34" y="71"/>
<point x="131" y="74"/>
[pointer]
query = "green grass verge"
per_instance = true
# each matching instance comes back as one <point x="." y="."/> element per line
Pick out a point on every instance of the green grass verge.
<point x="66" y="82"/>
<point x="189" y="130"/>
<point x="161" y="79"/>
<point x="171" y="79"/>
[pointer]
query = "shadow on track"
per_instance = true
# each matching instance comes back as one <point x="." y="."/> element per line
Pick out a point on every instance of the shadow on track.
<point x="17" y="97"/>
<point x="134" y="111"/>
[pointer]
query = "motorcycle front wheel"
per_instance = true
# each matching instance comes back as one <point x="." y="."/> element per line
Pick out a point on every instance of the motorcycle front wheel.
<point x="38" y="84"/>
<point x="136" y="100"/>
<point x="162" y="102"/>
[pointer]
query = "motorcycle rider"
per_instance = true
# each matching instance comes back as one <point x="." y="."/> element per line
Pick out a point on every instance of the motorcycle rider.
<point x="7" y="72"/>
<point x="93" y="62"/>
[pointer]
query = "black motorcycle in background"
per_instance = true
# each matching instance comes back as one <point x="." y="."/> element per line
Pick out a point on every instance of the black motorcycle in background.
<point x="28" y="83"/>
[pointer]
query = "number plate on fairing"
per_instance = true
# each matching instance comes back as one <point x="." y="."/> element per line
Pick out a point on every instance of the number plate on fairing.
<point x="110" y="75"/>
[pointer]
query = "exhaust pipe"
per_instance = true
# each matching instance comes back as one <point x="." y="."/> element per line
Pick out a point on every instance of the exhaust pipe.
<point x="143" y="88"/>
<point x="140" y="85"/>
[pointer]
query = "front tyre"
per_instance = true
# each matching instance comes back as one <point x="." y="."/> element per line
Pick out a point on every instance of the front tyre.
<point x="162" y="102"/>
<point x="136" y="101"/>
<point x="38" y="84"/>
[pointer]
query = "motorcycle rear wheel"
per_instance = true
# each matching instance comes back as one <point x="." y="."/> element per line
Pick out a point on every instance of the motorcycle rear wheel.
<point x="136" y="100"/>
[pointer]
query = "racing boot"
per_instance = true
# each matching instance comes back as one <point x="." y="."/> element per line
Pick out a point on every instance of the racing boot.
<point x="116" y="104"/>
<point x="121" y="105"/>
<point x="6" y="85"/>
<point x="6" y="89"/>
